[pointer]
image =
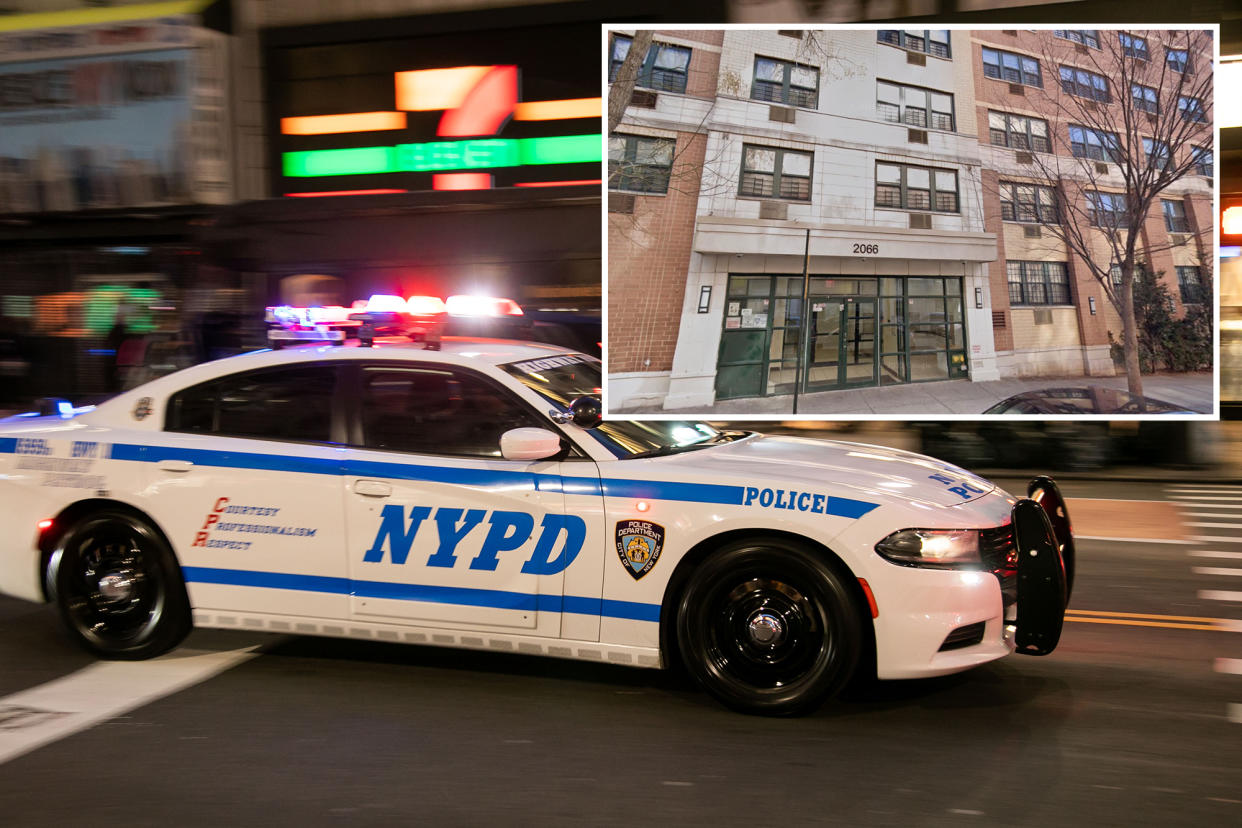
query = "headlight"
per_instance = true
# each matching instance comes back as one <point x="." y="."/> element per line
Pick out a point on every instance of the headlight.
<point x="939" y="548"/>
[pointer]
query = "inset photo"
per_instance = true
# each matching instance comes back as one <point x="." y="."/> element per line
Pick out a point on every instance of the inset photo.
<point x="857" y="223"/>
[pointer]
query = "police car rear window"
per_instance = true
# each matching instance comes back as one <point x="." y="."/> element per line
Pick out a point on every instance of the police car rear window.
<point x="273" y="404"/>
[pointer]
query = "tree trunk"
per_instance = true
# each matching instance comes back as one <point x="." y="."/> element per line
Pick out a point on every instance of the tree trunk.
<point x="1129" y="336"/>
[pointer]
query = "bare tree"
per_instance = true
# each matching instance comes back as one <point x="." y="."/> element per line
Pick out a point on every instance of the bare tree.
<point x="621" y="88"/>
<point x="1128" y="120"/>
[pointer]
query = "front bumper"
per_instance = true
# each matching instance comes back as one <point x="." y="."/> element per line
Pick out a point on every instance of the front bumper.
<point x="936" y="622"/>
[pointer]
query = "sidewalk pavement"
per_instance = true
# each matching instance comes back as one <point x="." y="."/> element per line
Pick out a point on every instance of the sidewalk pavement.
<point x="1193" y="391"/>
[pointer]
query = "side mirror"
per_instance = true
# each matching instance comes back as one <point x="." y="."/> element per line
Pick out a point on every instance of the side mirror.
<point x="529" y="444"/>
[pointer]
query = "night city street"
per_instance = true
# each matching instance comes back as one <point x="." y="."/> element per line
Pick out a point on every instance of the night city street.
<point x="1127" y="723"/>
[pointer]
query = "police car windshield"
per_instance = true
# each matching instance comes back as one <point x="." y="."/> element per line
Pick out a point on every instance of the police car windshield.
<point x="562" y="379"/>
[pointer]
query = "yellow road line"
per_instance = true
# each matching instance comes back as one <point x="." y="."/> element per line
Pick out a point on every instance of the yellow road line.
<point x="1147" y="624"/>
<point x="1142" y="615"/>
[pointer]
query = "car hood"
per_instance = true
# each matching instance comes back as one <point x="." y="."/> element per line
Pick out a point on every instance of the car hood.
<point x="849" y="469"/>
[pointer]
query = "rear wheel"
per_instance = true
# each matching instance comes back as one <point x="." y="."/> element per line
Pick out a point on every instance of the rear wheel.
<point x="768" y="627"/>
<point x="118" y="588"/>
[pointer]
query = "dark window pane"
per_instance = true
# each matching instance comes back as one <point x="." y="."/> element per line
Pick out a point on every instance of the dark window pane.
<point x="274" y="404"/>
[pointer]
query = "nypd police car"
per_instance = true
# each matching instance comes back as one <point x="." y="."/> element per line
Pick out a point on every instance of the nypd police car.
<point x="471" y="497"/>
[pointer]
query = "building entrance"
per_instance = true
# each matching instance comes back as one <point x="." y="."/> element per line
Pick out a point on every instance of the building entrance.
<point x="861" y="331"/>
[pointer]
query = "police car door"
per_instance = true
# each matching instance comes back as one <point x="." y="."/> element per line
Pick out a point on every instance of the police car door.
<point x="442" y="530"/>
<point x="246" y="481"/>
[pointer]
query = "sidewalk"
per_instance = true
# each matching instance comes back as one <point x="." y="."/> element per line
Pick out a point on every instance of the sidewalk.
<point x="931" y="399"/>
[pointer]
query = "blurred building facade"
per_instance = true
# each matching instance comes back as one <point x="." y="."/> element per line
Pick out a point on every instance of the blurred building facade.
<point x="899" y="162"/>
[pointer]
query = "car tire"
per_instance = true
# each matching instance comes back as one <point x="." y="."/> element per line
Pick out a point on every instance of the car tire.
<point x="768" y="627"/>
<point x="118" y="587"/>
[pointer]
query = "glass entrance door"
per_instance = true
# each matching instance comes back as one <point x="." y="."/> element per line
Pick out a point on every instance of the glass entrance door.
<point x="842" y="348"/>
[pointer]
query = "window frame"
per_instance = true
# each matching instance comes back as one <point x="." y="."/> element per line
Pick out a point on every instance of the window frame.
<point x="904" y="188"/>
<point x="1108" y="142"/>
<point x="1181" y="67"/>
<point x="647" y="69"/>
<point x="337" y="421"/>
<point x="1088" y="88"/>
<point x="1083" y="34"/>
<point x="1136" y="48"/>
<point x="1175" y="218"/>
<point x="1144" y="103"/>
<point x="1153" y="149"/>
<point x="1042" y="212"/>
<point x="929" y="112"/>
<point x="777" y="174"/>
<point x="1030" y="134"/>
<point x="1096" y="198"/>
<point x="903" y="36"/>
<point x="631" y="156"/>
<point x="1196" y="157"/>
<point x="1189" y="105"/>
<point x="1043" y="279"/>
<point x="786" y="85"/>
<point x="1000" y="67"/>
<point x="1191" y="292"/>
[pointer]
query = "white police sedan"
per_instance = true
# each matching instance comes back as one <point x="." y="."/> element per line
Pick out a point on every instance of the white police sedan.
<point x="470" y="497"/>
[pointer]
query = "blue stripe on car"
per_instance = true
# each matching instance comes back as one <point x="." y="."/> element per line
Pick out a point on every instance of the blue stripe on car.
<point x="461" y="596"/>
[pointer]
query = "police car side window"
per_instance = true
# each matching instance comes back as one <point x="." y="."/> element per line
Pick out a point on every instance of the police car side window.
<point x="273" y="404"/>
<point x="435" y="410"/>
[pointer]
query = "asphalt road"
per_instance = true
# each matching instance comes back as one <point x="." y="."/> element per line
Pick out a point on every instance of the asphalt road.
<point x="1135" y="720"/>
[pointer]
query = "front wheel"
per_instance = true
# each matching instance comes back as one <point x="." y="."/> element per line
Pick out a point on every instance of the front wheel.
<point x="768" y="627"/>
<point x="118" y="588"/>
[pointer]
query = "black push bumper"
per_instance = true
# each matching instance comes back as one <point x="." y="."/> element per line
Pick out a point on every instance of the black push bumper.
<point x="1045" y="546"/>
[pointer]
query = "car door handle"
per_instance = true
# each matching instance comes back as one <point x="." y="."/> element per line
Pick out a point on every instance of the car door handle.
<point x="372" y="488"/>
<point x="174" y="465"/>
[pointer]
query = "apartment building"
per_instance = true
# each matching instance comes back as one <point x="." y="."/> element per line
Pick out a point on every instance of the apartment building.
<point x="892" y="167"/>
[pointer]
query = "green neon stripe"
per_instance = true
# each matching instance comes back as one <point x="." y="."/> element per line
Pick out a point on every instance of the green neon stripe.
<point x="567" y="149"/>
<point x="434" y="156"/>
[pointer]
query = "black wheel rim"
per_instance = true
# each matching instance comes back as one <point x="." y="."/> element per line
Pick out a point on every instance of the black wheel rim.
<point x="113" y="593"/>
<point x="765" y="633"/>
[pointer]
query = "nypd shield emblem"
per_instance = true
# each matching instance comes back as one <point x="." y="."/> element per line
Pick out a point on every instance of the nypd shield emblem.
<point x="639" y="543"/>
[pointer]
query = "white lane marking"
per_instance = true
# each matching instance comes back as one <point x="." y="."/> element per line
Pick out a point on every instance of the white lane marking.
<point x="1227" y="507"/>
<point x="1219" y="515"/>
<point x="1214" y="553"/>
<point x="1231" y="498"/>
<point x="1229" y="625"/>
<point x="1215" y="570"/>
<point x="1229" y="665"/>
<point x="41" y="715"/>
<point x="1205" y="488"/>
<point x="1215" y="525"/>
<point x="1235" y="713"/>
<point x="1139" y="540"/>
<point x="1219" y="595"/>
<point x="1214" y="539"/>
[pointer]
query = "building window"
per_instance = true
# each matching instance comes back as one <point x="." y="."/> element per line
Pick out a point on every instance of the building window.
<point x="1018" y="132"/>
<point x="932" y="41"/>
<point x="780" y="81"/>
<point x="1114" y="275"/>
<point x="1157" y="153"/>
<point x="1191" y="109"/>
<point x="1092" y="143"/>
<point x="665" y="67"/>
<point x="1133" y="46"/>
<point x="1178" y="60"/>
<point x="1203" y="161"/>
<point x="1145" y="98"/>
<point x="639" y="164"/>
<point x="903" y="187"/>
<point x="1087" y="37"/>
<point x="1028" y="203"/>
<point x="770" y="172"/>
<point x="914" y="106"/>
<point x="1106" y="209"/>
<point x="1084" y="84"/>
<point x="1175" y="216"/>
<point x="1010" y="67"/>
<point x="1038" y="283"/>
<point x="1190" y="285"/>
